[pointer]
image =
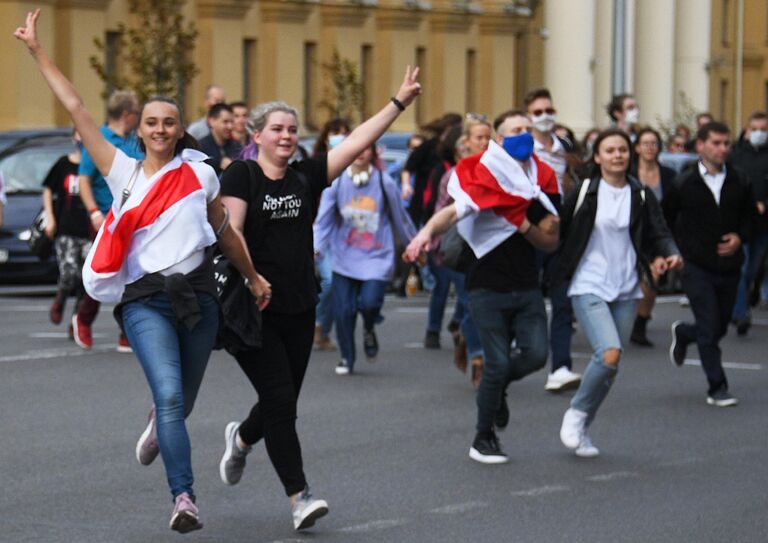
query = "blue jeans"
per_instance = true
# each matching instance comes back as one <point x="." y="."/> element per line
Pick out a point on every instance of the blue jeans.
<point x="324" y="318"/>
<point x="468" y="330"/>
<point x="607" y="325"/>
<point x="755" y="256"/>
<point x="351" y="296"/>
<point x="174" y="360"/>
<point x="439" y="295"/>
<point x="500" y="317"/>
<point x="561" y="327"/>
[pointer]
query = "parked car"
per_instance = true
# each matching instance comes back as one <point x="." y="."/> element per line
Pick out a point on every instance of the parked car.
<point x="13" y="137"/>
<point x="24" y="165"/>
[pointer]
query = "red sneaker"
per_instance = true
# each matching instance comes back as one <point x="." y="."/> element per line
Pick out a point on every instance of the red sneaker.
<point x="122" y="345"/>
<point x="56" y="308"/>
<point x="82" y="333"/>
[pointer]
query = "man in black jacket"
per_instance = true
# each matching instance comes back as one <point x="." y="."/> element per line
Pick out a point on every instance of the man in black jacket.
<point x="750" y="156"/>
<point x="709" y="208"/>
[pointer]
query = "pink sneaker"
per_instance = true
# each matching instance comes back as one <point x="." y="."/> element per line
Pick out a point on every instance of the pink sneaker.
<point x="185" y="517"/>
<point x="147" y="448"/>
<point x="82" y="333"/>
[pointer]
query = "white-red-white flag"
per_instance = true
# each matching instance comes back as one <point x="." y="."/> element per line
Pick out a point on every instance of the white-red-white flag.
<point x="162" y="223"/>
<point x="492" y="193"/>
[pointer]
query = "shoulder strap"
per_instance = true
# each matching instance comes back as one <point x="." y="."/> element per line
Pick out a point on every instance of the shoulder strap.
<point x="582" y="194"/>
<point x="131" y="182"/>
<point x="384" y="196"/>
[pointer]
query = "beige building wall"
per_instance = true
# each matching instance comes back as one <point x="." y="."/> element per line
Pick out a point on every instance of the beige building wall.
<point x="500" y="46"/>
<point x="654" y="59"/>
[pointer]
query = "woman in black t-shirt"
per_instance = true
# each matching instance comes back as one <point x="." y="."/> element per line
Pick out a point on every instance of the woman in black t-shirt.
<point x="273" y="211"/>
<point x="66" y="222"/>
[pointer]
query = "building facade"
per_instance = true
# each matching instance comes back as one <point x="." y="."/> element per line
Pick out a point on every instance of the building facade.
<point x="474" y="55"/>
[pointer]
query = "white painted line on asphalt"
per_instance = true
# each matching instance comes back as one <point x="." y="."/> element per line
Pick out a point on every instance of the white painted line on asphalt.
<point x="414" y="345"/>
<point x="729" y="365"/>
<point x="26" y="308"/>
<point x="43" y="354"/>
<point x="373" y="525"/>
<point x="412" y="309"/>
<point x="459" y="508"/>
<point x="671" y="299"/>
<point x="607" y="477"/>
<point x="65" y="335"/>
<point x="761" y="322"/>
<point x="540" y="491"/>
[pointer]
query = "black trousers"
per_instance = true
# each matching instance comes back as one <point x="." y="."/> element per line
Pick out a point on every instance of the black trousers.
<point x="277" y="371"/>
<point x="712" y="297"/>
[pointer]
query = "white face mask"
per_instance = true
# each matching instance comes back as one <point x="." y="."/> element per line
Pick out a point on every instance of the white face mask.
<point x="632" y="116"/>
<point x="758" y="137"/>
<point x="544" y="122"/>
<point x="336" y="139"/>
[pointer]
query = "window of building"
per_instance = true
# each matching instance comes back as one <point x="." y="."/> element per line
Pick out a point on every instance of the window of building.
<point x="366" y="75"/>
<point x="111" y="54"/>
<point x="725" y="23"/>
<point x="310" y="84"/>
<point x="249" y="72"/>
<point x="421" y="62"/>
<point x="470" y="96"/>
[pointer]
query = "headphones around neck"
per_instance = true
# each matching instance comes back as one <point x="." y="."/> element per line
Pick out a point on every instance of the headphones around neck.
<point x="360" y="179"/>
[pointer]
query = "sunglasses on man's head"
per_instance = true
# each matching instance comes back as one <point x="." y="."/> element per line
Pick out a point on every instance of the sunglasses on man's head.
<point x="480" y="117"/>
<point x="539" y="112"/>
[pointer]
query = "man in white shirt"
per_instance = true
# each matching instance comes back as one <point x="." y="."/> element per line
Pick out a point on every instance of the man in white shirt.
<point x="552" y="151"/>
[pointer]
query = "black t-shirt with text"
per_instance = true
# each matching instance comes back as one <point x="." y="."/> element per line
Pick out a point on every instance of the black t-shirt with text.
<point x="511" y="266"/>
<point x="278" y="228"/>
<point x="71" y="215"/>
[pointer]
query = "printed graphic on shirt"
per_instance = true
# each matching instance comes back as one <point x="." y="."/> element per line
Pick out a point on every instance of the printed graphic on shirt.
<point x="282" y="207"/>
<point x="361" y="216"/>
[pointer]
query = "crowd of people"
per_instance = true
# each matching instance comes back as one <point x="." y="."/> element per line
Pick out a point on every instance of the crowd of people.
<point x="509" y="210"/>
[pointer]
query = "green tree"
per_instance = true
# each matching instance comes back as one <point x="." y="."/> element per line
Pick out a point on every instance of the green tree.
<point x="343" y="91"/>
<point x="685" y="114"/>
<point x="155" y="51"/>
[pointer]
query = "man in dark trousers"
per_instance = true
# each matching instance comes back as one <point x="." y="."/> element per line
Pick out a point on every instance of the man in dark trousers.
<point x="710" y="209"/>
<point x="750" y="156"/>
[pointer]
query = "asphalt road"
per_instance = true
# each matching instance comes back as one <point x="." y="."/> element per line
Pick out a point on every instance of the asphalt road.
<point x="387" y="447"/>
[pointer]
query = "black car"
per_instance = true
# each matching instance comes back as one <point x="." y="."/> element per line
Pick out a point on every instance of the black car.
<point x="24" y="165"/>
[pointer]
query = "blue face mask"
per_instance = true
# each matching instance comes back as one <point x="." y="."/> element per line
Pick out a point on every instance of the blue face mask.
<point x="519" y="147"/>
<point x="336" y="139"/>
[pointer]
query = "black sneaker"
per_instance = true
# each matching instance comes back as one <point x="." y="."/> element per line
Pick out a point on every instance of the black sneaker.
<point x="743" y="326"/>
<point x="721" y="398"/>
<point x="677" y="349"/>
<point x="502" y="415"/>
<point x="486" y="450"/>
<point x="370" y="344"/>
<point x="432" y="340"/>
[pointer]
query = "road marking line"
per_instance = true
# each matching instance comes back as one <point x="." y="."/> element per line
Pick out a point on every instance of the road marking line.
<point x="35" y="308"/>
<point x="540" y="491"/>
<point x="459" y="508"/>
<point x="413" y="345"/>
<point x="48" y="335"/>
<point x="373" y="525"/>
<point x="729" y="365"/>
<point x="606" y="477"/>
<point x="54" y="353"/>
<point x="412" y="309"/>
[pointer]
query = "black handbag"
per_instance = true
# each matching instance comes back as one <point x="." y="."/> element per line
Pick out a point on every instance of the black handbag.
<point x="240" y="318"/>
<point x="39" y="244"/>
<point x="454" y="251"/>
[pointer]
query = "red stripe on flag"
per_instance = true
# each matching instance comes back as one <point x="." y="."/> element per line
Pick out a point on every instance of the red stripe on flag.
<point x="112" y="248"/>
<point x="484" y="190"/>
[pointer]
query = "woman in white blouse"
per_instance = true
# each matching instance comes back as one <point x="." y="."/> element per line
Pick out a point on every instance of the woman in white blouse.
<point x="150" y="257"/>
<point x="613" y="234"/>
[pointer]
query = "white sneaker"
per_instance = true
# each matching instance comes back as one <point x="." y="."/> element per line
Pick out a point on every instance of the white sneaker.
<point x="232" y="462"/>
<point x="586" y="449"/>
<point x="572" y="429"/>
<point x="562" y="379"/>
<point x="307" y="509"/>
<point x="342" y="368"/>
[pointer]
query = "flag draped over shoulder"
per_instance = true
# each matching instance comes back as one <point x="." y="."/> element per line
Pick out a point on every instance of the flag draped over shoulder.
<point x="492" y="193"/>
<point x="161" y="224"/>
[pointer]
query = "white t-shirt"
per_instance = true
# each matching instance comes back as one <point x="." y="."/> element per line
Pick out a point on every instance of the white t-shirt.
<point x="608" y="267"/>
<point x="120" y="174"/>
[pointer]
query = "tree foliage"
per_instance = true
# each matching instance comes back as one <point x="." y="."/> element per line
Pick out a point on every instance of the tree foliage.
<point x="153" y="53"/>
<point x="343" y="90"/>
<point x="685" y="114"/>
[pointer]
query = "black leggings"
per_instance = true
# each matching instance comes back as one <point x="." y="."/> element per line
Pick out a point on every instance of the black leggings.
<point x="277" y="371"/>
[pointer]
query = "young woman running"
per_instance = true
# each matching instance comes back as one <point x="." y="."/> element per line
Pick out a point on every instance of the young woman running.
<point x="274" y="212"/>
<point x="356" y="221"/>
<point x="656" y="178"/>
<point x="614" y="234"/>
<point x="164" y="286"/>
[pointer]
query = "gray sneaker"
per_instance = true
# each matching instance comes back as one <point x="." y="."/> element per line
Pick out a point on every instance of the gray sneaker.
<point x="233" y="462"/>
<point x="147" y="447"/>
<point x="307" y="509"/>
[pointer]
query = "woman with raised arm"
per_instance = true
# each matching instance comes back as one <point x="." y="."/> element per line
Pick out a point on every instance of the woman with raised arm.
<point x="272" y="205"/>
<point x="150" y="257"/>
